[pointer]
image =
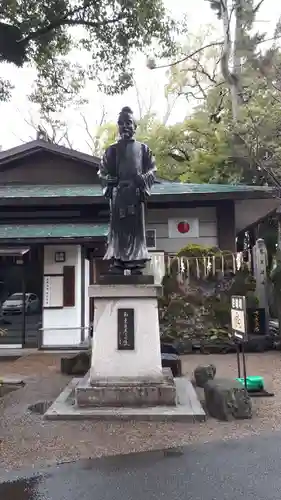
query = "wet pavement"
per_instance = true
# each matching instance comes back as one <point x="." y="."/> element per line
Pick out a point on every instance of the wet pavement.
<point x="247" y="469"/>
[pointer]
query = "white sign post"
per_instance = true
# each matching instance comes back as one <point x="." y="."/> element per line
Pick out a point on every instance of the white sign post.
<point x="239" y="330"/>
<point x="238" y="318"/>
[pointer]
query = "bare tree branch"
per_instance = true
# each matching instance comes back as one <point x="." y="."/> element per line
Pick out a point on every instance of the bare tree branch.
<point x="66" y="138"/>
<point x="258" y="6"/>
<point x="200" y="68"/>
<point x="93" y="140"/>
<point x="189" y="56"/>
<point x="170" y="107"/>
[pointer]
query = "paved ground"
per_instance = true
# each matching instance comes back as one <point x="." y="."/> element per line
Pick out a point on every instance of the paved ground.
<point x="246" y="469"/>
<point x="25" y="439"/>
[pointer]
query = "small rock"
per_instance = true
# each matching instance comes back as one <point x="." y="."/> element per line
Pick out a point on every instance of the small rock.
<point x="204" y="373"/>
<point x="76" y="365"/>
<point x="227" y="399"/>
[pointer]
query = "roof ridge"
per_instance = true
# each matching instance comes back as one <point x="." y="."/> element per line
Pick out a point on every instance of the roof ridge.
<point x="8" y="155"/>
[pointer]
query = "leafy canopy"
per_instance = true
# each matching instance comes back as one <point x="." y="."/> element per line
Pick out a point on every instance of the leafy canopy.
<point x="204" y="149"/>
<point x="43" y="33"/>
<point x="191" y="151"/>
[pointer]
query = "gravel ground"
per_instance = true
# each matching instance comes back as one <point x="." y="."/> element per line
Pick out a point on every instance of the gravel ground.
<point x="26" y="439"/>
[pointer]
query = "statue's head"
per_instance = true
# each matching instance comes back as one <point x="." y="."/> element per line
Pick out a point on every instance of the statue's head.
<point x="126" y="123"/>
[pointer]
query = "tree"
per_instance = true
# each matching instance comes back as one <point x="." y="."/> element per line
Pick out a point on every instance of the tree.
<point x="191" y="151"/>
<point x="197" y="69"/>
<point x="249" y="75"/>
<point x="44" y="34"/>
<point x="99" y="133"/>
<point x="232" y="81"/>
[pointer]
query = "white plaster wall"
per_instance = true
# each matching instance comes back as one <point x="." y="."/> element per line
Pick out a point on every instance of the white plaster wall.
<point x="158" y="219"/>
<point x="62" y="327"/>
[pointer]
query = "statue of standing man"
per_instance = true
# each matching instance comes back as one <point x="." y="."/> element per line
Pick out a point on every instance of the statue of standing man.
<point x="127" y="173"/>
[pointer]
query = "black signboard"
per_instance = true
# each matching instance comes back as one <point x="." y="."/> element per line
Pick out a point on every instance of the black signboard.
<point x="256" y="321"/>
<point x="126" y="329"/>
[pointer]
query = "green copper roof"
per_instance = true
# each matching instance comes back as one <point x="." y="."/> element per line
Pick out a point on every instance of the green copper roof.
<point x="53" y="231"/>
<point x="56" y="191"/>
<point x="167" y="187"/>
<point x="163" y="188"/>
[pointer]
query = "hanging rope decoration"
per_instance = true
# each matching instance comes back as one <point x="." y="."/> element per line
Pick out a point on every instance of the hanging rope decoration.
<point x="234" y="263"/>
<point x="222" y="265"/>
<point x="214" y="266"/>
<point x="197" y="269"/>
<point x="205" y="266"/>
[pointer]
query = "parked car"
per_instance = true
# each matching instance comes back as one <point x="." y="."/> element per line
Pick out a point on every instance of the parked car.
<point x="14" y="303"/>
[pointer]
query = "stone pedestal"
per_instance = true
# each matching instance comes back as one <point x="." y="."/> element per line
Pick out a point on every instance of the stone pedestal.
<point x="126" y="368"/>
<point x="130" y="393"/>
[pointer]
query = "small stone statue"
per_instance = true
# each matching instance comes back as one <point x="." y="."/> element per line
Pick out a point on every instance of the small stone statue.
<point x="127" y="174"/>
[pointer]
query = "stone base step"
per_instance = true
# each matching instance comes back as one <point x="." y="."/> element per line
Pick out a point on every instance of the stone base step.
<point x="126" y="392"/>
<point x="187" y="408"/>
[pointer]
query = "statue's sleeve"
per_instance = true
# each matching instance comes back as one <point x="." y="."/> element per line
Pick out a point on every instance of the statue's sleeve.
<point x="105" y="173"/>
<point x="149" y="168"/>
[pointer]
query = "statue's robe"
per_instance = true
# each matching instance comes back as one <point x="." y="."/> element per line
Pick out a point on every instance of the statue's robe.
<point x="127" y="174"/>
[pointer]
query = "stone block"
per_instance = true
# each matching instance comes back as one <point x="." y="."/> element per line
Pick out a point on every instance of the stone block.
<point x="140" y="355"/>
<point x="126" y="393"/>
<point x="124" y="291"/>
<point x="227" y="399"/>
<point x="187" y="408"/>
<point x="204" y="373"/>
<point x="129" y="279"/>
<point x="76" y="365"/>
<point x="173" y="362"/>
<point x="259" y="343"/>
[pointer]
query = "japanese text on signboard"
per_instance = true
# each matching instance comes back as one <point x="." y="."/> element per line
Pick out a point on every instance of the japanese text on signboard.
<point x="126" y="329"/>
<point x="238" y="317"/>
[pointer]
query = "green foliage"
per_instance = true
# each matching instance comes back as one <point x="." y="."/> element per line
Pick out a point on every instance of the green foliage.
<point x="163" y="140"/>
<point x="5" y="90"/>
<point x="198" y="257"/>
<point x="198" y="150"/>
<point x="208" y="146"/>
<point x="43" y="33"/>
<point x="200" y="308"/>
<point x="199" y="251"/>
<point x="191" y="151"/>
<point x="211" y="145"/>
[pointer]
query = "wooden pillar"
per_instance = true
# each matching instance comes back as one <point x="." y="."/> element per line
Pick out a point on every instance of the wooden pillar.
<point x="226" y="229"/>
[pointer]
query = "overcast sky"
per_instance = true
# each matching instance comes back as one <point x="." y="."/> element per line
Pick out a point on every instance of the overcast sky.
<point x="14" y="129"/>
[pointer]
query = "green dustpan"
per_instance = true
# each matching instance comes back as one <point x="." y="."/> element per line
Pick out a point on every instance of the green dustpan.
<point x="254" y="383"/>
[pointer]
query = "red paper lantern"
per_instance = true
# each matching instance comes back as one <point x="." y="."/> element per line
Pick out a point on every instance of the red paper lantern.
<point x="183" y="227"/>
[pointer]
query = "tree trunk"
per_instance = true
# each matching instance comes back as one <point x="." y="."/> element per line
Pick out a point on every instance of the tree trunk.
<point x="232" y="77"/>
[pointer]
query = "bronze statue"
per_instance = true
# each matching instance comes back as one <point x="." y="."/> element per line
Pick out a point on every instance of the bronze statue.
<point x="127" y="174"/>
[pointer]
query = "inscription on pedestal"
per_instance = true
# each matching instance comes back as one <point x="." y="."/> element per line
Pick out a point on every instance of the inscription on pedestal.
<point x="126" y="329"/>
